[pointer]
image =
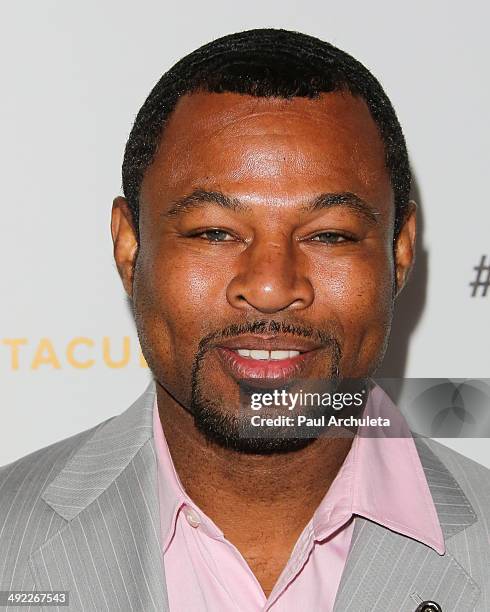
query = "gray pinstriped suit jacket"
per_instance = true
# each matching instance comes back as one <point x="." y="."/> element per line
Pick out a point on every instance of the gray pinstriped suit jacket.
<point x="82" y="515"/>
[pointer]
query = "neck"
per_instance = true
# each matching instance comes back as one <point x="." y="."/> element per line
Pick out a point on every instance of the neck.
<point x="253" y="490"/>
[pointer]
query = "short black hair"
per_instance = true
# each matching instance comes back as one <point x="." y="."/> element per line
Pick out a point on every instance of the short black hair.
<point x="265" y="63"/>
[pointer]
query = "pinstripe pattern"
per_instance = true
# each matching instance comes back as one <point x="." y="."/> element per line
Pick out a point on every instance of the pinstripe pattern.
<point x="110" y="553"/>
<point x="25" y="520"/>
<point x="387" y="571"/>
<point x="82" y="515"/>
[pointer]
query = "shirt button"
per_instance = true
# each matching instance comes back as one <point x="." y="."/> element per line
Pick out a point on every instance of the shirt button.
<point x="192" y="517"/>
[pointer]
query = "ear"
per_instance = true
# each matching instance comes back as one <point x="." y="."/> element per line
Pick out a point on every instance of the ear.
<point x="125" y="242"/>
<point x="405" y="247"/>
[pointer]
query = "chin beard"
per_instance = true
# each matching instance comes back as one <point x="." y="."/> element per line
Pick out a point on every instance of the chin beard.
<point x="229" y="430"/>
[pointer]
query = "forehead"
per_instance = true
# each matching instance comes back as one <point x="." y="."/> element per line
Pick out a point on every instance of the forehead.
<point x="276" y="145"/>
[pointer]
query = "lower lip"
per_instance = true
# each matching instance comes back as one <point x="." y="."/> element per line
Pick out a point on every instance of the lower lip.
<point x="277" y="370"/>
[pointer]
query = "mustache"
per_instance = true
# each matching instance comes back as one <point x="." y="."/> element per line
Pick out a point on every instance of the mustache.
<point x="326" y="336"/>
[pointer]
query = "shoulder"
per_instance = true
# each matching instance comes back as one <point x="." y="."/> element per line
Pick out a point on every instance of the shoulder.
<point x="23" y="481"/>
<point x="472" y="477"/>
<point x="29" y="475"/>
<point x="26" y="521"/>
<point x="41" y="465"/>
<point x="456" y="462"/>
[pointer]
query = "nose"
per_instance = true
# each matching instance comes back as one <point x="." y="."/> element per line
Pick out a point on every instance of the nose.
<point x="270" y="277"/>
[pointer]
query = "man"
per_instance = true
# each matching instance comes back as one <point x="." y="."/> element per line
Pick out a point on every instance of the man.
<point x="265" y="232"/>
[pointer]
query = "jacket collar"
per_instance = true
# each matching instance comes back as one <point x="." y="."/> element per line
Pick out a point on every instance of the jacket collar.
<point x="99" y="462"/>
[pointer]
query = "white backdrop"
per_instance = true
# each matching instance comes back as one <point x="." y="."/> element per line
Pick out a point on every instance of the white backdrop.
<point x="74" y="74"/>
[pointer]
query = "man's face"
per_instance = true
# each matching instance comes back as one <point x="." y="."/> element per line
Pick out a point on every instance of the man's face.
<point x="264" y="223"/>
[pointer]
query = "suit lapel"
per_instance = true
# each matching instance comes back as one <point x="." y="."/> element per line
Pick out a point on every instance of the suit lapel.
<point x="388" y="571"/>
<point x="108" y="554"/>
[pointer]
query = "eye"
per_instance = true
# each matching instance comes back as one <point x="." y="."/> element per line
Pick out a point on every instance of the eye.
<point x="332" y="238"/>
<point x="213" y="235"/>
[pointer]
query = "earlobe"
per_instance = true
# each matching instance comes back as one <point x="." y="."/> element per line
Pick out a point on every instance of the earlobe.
<point x="125" y="242"/>
<point x="405" y="247"/>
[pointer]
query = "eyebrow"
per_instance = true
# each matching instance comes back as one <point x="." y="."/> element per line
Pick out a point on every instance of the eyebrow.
<point x="346" y="199"/>
<point x="200" y="197"/>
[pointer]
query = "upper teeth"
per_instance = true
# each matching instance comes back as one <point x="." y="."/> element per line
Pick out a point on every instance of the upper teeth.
<point x="259" y="354"/>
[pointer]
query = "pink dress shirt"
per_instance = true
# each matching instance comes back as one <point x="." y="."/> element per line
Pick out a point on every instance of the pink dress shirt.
<point x="381" y="479"/>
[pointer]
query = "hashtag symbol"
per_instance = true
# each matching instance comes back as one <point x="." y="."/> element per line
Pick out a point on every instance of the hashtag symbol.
<point x="482" y="279"/>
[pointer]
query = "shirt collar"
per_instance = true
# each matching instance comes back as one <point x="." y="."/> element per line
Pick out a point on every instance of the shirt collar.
<point x="171" y="493"/>
<point x="382" y="479"/>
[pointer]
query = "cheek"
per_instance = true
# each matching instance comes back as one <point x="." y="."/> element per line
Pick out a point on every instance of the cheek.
<point x="357" y="291"/>
<point x="173" y="302"/>
<point x="190" y="294"/>
<point x="177" y="301"/>
<point x="360" y="280"/>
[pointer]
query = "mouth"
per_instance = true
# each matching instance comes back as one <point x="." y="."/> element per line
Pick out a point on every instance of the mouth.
<point x="265" y="365"/>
